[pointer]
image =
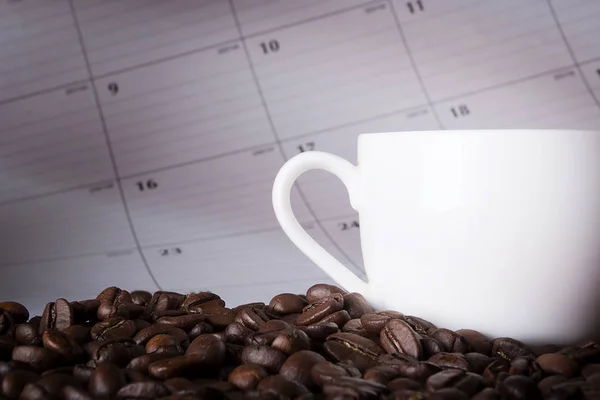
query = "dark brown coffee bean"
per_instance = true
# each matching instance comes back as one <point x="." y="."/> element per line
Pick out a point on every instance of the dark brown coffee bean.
<point x="75" y="393"/>
<point x="403" y="384"/>
<point x="256" y="304"/>
<point x="54" y="383"/>
<point x="361" y="351"/>
<point x="82" y="373"/>
<point x="450" y="360"/>
<point x="398" y="337"/>
<point x="526" y="366"/>
<point x="451" y="341"/>
<point x="298" y="366"/>
<point x="281" y="386"/>
<point x="584" y="353"/>
<point x="478" y="362"/>
<point x="185" y="322"/>
<point x="356" y="305"/>
<point x="374" y="322"/>
<point x="556" y="363"/>
<point x="117" y="351"/>
<point x="407" y="394"/>
<point x="80" y="334"/>
<point x="444" y="379"/>
<point x="14" y="381"/>
<point x="546" y="384"/>
<point x="113" y="328"/>
<point x="477" y="341"/>
<point x="163" y="342"/>
<point x="355" y="388"/>
<point x="487" y="394"/>
<point x="291" y="342"/>
<point x="496" y="367"/>
<point x="33" y="391"/>
<point x="209" y="349"/>
<point x="7" y="346"/>
<point x="57" y="315"/>
<point x="63" y="345"/>
<point x="141" y="363"/>
<point x="316" y="311"/>
<point x="322" y="291"/>
<point x="448" y="394"/>
<point x="252" y="318"/>
<point x="141" y="297"/>
<point x="380" y="374"/>
<point x="199" y="303"/>
<point x="287" y="303"/>
<point x="105" y="382"/>
<point x="200" y="329"/>
<point x="339" y="318"/>
<point x="319" y="332"/>
<point x="324" y="372"/>
<point x="146" y="334"/>
<point x="267" y="357"/>
<point x="589" y="369"/>
<point x="28" y="334"/>
<point x="143" y="390"/>
<point x="355" y="326"/>
<point x="519" y="387"/>
<point x="275" y="325"/>
<point x="176" y="366"/>
<point x="220" y="318"/>
<point x="237" y="333"/>
<point x="419" y="325"/>
<point x="509" y="348"/>
<point x="37" y="358"/>
<point x="84" y="310"/>
<point x="431" y="347"/>
<point x="179" y="384"/>
<point x="246" y="377"/>
<point x="18" y="311"/>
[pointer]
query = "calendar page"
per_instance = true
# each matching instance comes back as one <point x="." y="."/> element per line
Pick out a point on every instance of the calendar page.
<point x="139" y="139"/>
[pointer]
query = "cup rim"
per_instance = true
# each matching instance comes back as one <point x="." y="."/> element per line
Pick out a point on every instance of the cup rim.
<point x="471" y="131"/>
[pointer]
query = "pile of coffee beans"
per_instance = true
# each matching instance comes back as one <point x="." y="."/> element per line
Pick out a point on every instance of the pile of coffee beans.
<point x="327" y="344"/>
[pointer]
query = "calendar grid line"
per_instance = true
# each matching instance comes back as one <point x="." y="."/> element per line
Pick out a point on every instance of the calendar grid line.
<point x="572" y="55"/>
<point x="119" y="252"/>
<point x="277" y="138"/>
<point x="110" y="150"/>
<point x="414" y="64"/>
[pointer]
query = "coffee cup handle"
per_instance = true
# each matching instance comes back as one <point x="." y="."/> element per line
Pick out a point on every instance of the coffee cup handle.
<point x="282" y="187"/>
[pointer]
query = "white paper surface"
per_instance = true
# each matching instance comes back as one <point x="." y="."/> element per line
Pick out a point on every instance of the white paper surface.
<point x="139" y="139"/>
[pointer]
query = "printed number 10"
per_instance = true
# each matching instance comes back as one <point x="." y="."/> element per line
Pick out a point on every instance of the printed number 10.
<point x="272" y="46"/>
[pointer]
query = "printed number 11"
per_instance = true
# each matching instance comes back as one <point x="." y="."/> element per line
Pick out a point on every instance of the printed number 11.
<point x="414" y="6"/>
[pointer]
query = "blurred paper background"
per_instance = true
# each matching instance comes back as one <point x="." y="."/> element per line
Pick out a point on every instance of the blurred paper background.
<point x="139" y="139"/>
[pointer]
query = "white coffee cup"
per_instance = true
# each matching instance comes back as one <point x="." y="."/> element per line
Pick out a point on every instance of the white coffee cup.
<point x="493" y="230"/>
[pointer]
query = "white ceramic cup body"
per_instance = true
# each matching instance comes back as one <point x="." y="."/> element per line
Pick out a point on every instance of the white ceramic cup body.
<point x="494" y="230"/>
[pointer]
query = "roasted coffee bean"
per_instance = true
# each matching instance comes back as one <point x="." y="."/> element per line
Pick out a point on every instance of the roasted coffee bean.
<point x="185" y="322"/>
<point x="398" y="337"/>
<point x="355" y="326"/>
<point x="419" y="325"/>
<point x="201" y="303"/>
<point x="18" y="311"/>
<point x="546" y="384"/>
<point x="509" y="348"/>
<point x="141" y="363"/>
<point x="163" y="342"/>
<point x="177" y="366"/>
<point x="487" y="394"/>
<point x="450" y="360"/>
<point x="448" y="394"/>
<point x="246" y="377"/>
<point x="14" y="381"/>
<point x="82" y="373"/>
<point x="57" y="315"/>
<point x="106" y="380"/>
<point x="237" y="333"/>
<point x="556" y="363"/>
<point x="466" y="382"/>
<point x="117" y="351"/>
<point x="374" y="322"/>
<point x="478" y="362"/>
<point x="291" y="342"/>
<point x="143" y="390"/>
<point x="355" y="388"/>
<point x="519" y="387"/>
<point x="339" y="318"/>
<point x="209" y="349"/>
<point x="319" y="332"/>
<point x="80" y="334"/>
<point x="496" y="367"/>
<point x="62" y="344"/>
<point x="141" y="297"/>
<point x="403" y="384"/>
<point x="324" y="372"/>
<point x="267" y="357"/>
<point x="407" y="394"/>
<point x="322" y="291"/>
<point x="380" y="374"/>
<point x="84" y="310"/>
<point x="200" y="329"/>
<point x="33" y="391"/>
<point x="477" y="341"/>
<point x="287" y="303"/>
<point x="75" y="393"/>
<point x="256" y="304"/>
<point x="431" y="347"/>
<point x="588" y="352"/>
<point x="252" y="318"/>
<point x="356" y="305"/>
<point x="28" y="334"/>
<point x="7" y="345"/>
<point x="146" y="334"/>
<point x="37" y="358"/>
<point x="590" y="369"/>
<point x="316" y="311"/>
<point x="348" y="347"/>
<point x="113" y="328"/>
<point x="220" y="318"/>
<point x="281" y="386"/>
<point x="54" y="383"/>
<point x="451" y="341"/>
<point x="298" y="366"/>
<point x="526" y="366"/>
